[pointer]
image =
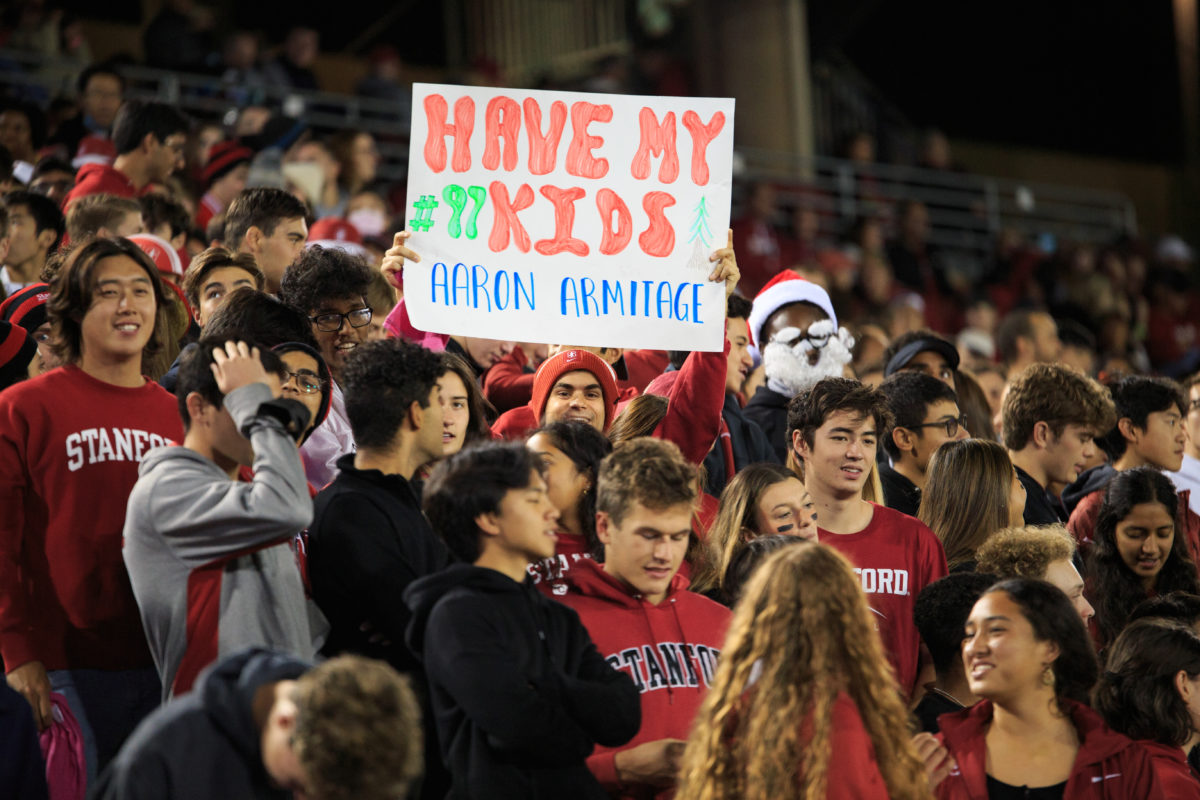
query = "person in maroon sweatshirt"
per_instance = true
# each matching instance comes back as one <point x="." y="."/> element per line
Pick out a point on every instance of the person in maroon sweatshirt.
<point x="639" y="614"/>
<point x="70" y="443"/>
<point x="149" y="138"/>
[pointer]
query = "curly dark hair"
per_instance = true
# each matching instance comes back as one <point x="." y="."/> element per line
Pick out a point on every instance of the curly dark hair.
<point x="471" y="482"/>
<point x="941" y="613"/>
<point x="1054" y="619"/>
<point x="909" y="396"/>
<point x="1136" y="694"/>
<point x="1112" y="584"/>
<point x="381" y="381"/>
<point x="586" y="447"/>
<point x="321" y="274"/>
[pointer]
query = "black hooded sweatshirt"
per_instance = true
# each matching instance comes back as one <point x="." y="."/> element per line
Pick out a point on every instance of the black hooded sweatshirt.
<point x="520" y="693"/>
<point x="204" y="744"/>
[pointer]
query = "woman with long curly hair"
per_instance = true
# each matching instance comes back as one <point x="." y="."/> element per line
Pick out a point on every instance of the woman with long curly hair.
<point x="1028" y="657"/>
<point x="971" y="491"/>
<point x="1151" y="691"/>
<point x="1136" y="553"/>
<point x="762" y="500"/>
<point x="571" y="453"/>
<point x="803" y="704"/>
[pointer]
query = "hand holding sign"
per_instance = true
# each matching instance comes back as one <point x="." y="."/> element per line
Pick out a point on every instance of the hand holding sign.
<point x="394" y="258"/>
<point x="727" y="268"/>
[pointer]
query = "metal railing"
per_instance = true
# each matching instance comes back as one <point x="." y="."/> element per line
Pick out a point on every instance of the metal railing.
<point x="966" y="211"/>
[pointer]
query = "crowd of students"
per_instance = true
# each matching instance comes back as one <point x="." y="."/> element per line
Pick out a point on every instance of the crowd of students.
<point x="261" y="535"/>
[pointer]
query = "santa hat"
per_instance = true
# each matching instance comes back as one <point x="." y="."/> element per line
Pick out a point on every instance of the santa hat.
<point x="223" y="158"/>
<point x="784" y="289"/>
<point x="17" y="349"/>
<point x="560" y="364"/>
<point x="160" y="252"/>
<point x="339" y="234"/>
<point x="27" y="307"/>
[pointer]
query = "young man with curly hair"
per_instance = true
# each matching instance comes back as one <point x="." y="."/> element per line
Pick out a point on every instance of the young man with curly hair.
<point x="835" y="429"/>
<point x="264" y="725"/>
<point x="520" y="694"/>
<point x="1052" y="414"/>
<point x="329" y="286"/>
<point x="639" y="613"/>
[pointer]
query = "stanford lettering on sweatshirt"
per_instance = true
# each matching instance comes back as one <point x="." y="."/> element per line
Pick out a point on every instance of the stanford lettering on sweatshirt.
<point x="667" y="664"/>
<point x="97" y="445"/>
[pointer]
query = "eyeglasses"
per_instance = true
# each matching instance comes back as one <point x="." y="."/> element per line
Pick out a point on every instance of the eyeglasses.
<point x="817" y="341"/>
<point x="332" y="323"/>
<point x="1194" y="405"/>
<point x="951" y="425"/>
<point x="306" y="382"/>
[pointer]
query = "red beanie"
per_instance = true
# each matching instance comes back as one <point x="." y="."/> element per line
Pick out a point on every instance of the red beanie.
<point x="223" y="158"/>
<point x="568" y="361"/>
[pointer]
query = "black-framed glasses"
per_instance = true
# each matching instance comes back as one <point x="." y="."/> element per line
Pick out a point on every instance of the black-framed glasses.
<point x="333" y="322"/>
<point x="950" y="424"/>
<point x="306" y="382"/>
<point x="1194" y="405"/>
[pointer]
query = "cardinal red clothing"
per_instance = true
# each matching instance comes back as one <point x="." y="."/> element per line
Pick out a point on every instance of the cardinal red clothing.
<point x="670" y="650"/>
<point x="100" y="179"/>
<point x="895" y="557"/>
<point x="1083" y="522"/>
<point x="550" y="574"/>
<point x="509" y="383"/>
<point x="69" y="451"/>
<point x="1109" y="766"/>
<point x="1173" y="771"/>
<point x="853" y="772"/>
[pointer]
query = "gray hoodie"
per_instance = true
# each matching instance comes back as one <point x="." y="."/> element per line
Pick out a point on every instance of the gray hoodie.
<point x="210" y="559"/>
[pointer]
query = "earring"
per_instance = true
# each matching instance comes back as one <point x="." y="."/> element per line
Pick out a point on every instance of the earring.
<point x="1047" y="676"/>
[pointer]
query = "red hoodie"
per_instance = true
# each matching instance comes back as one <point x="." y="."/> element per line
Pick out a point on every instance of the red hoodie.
<point x="670" y="650"/>
<point x="100" y="179"/>
<point x="1109" y="766"/>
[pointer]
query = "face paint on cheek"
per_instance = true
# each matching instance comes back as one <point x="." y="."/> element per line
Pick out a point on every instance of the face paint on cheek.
<point x="784" y="528"/>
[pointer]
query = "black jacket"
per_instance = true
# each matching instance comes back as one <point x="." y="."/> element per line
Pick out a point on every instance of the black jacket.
<point x="1090" y="480"/>
<point x="520" y="694"/>
<point x="750" y="446"/>
<point x="368" y="541"/>
<point x="1040" y="507"/>
<point x="204" y="744"/>
<point x="768" y="409"/>
<point x="898" y="491"/>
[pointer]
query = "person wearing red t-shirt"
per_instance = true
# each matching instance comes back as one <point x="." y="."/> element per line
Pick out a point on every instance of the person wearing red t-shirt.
<point x="149" y="138"/>
<point x="638" y="611"/>
<point x="70" y="444"/>
<point x="835" y="428"/>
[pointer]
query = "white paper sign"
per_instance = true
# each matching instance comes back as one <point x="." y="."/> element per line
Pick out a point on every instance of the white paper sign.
<point x="568" y="218"/>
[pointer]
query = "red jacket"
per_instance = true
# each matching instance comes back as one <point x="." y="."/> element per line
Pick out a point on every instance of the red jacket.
<point x="669" y="650"/>
<point x="1109" y="766"/>
<point x="100" y="179"/>
<point x="70" y="446"/>
<point x="1172" y="768"/>
<point x="853" y="772"/>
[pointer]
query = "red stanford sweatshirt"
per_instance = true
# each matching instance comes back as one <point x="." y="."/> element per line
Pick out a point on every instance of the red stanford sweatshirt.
<point x="69" y="451"/>
<point x="669" y="650"/>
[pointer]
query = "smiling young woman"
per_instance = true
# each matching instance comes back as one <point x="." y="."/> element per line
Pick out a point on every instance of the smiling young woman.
<point x="1136" y="553"/>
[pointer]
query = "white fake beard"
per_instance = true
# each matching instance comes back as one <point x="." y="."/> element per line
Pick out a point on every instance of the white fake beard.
<point x="787" y="368"/>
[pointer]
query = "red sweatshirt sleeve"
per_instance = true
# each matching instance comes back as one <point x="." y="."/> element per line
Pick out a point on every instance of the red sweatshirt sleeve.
<point x="693" y="417"/>
<point x="507" y="385"/>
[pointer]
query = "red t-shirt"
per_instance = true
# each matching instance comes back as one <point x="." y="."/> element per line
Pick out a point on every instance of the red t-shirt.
<point x="70" y="446"/>
<point x="100" y="179"/>
<point x="895" y="557"/>
<point x="549" y="574"/>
